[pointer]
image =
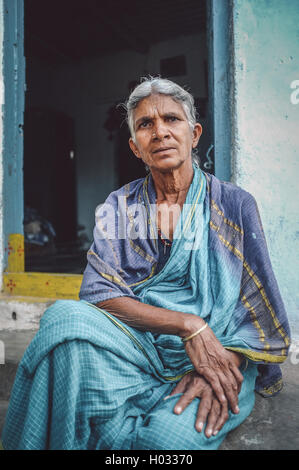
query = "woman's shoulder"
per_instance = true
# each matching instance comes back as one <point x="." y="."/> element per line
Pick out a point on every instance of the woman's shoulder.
<point x="228" y="192"/>
<point x="231" y="201"/>
<point x="130" y="191"/>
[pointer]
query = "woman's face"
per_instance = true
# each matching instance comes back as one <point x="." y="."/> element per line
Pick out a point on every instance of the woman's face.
<point x="163" y="138"/>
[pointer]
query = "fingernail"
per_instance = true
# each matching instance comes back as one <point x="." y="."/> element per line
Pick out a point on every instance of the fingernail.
<point x="237" y="409"/>
<point x="209" y="432"/>
<point x="178" y="409"/>
<point x="199" y="427"/>
<point x="168" y="396"/>
<point x="215" y="432"/>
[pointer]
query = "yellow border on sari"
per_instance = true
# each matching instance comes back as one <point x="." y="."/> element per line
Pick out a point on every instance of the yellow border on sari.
<point x="257" y="356"/>
<point x="257" y="282"/>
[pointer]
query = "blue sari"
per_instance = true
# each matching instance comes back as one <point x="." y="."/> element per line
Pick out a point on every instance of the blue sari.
<point x="219" y="267"/>
<point x="89" y="381"/>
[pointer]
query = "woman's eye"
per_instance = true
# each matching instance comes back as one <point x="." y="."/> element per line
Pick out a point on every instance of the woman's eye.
<point x="144" y="124"/>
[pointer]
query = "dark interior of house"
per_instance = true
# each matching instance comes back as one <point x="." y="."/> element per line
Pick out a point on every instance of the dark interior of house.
<point x="65" y="42"/>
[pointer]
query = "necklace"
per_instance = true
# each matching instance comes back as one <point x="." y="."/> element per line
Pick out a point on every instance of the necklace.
<point x="164" y="241"/>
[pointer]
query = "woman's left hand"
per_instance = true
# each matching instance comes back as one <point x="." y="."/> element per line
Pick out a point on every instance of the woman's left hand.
<point x="210" y="410"/>
<point x="217" y="365"/>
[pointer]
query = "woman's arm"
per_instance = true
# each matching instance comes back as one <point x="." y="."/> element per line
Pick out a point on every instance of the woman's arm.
<point x="210" y="359"/>
<point x="149" y="318"/>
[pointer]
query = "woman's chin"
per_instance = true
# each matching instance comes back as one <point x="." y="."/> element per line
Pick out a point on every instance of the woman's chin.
<point x="168" y="163"/>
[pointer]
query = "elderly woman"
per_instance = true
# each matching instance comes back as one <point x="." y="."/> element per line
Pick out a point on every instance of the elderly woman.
<point x="180" y="317"/>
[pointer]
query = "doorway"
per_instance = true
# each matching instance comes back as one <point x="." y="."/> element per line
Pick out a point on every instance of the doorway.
<point x="82" y="60"/>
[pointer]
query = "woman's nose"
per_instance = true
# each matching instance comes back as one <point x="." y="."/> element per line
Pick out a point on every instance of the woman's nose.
<point x="160" y="131"/>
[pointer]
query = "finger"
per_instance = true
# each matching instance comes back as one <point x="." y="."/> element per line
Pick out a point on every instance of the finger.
<point x="230" y="387"/>
<point x="238" y="376"/>
<point x="222" y="418"/>
<point x="231" y="379"/>
<point x="213" y="418"/>
<point x="179" y="388"/>
<point x="224" y="387"/>
<point x="203" y="411"/>
<point x="215" y="383"/>
<point x="183" y="402"/>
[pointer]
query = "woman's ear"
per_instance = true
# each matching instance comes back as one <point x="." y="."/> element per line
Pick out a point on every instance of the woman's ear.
<point x="197" y="131"/>
<point x="134" y="148"/>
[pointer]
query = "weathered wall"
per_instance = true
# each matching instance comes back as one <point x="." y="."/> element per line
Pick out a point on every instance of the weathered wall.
<point x="266" y="127"/>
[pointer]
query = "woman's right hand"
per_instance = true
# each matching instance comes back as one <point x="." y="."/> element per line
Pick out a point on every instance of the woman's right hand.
<point x="209" y="412"/>
<point x="216" y="364"/>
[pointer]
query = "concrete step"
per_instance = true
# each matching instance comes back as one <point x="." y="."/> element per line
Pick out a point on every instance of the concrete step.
<point x="3" y="409"/>
<point x="15" y="344"/>
<point x="274" y="422"/>
<point x="272" y="425"/>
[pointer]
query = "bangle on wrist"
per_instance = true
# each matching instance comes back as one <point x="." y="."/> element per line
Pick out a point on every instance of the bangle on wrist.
<point x="195" y="333"/>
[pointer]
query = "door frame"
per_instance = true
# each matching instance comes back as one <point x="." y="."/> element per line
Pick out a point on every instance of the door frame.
<point x="221" y="96"/>
<point x="16" y="281"/>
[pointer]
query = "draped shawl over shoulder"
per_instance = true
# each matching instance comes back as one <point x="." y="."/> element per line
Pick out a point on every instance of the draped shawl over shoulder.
<point x="219" y="268"/>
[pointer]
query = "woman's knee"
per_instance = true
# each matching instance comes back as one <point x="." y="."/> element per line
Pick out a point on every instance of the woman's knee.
<point x="163" y="429"/>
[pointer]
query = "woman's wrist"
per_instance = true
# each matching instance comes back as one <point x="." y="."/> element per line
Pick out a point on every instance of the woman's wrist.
<point x="236" y="357"/>
<point x="191" y="323"/>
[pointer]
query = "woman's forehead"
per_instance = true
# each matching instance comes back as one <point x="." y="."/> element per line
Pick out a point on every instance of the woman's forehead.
<point x="158" y="103"/>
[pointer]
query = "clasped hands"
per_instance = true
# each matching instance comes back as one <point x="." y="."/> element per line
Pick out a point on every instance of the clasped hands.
<point x="216" y="380"/>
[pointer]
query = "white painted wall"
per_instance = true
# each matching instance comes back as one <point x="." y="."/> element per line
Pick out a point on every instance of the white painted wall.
<point x="266" y="125"/>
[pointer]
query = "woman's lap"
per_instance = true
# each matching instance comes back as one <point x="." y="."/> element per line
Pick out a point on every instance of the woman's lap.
<point x="163" y="429"/>
<point x="118" y="414"/>
<point x="105" y="399"/>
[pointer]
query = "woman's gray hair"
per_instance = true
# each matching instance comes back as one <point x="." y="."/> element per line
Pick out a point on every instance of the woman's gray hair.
<point x="156" y="85"/>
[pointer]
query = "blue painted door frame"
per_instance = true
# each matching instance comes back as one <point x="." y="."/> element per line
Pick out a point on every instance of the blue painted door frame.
<point x="220" y="83"/>
<point x="13" y="119"/>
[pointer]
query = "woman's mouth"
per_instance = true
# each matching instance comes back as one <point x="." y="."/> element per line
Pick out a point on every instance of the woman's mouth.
<point x="163" y="149"/>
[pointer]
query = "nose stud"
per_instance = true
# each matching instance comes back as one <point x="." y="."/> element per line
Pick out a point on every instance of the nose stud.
<point x="154" y="134"/>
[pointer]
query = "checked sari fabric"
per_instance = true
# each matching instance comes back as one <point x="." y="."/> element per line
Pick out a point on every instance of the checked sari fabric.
<point x="219" y="268"/>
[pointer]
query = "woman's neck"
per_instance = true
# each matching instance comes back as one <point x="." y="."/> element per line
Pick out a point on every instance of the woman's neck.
<point x="172" y="186"/>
